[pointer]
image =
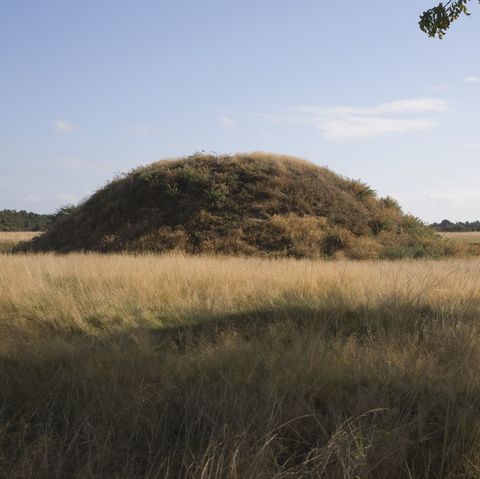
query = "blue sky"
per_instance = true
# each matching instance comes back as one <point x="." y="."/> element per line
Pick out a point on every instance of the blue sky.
<point x="93" y="88"/>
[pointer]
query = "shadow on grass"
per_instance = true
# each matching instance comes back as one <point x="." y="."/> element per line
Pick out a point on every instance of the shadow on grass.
<point x="387" y="319"/>
<point x="124" y="404"/>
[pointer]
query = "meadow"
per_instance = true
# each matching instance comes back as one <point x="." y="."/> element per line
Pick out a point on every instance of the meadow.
<point x="149" y="366"/>
<point x="468" y="236"/>
<point x="8" y="239"/>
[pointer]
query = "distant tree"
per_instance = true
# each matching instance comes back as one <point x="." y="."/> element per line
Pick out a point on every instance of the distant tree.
<point x="11" y="220"/>
<point x="448" y="226"/>
<point x="437" y="20"/>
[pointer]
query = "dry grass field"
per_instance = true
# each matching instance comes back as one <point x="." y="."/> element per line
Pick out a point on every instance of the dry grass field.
<point x="8" y="239"/>
<point x="469" y="237"/>
<point x="17" y="236"/>
<point x="467" y="242"/>
<point x="121" y="366"/>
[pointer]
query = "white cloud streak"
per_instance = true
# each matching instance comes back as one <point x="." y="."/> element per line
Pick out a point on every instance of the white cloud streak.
<point x="455" y="192"/>
<point x="456" y="196"/>
<point x="62" y="127"/>
<point x="439" y="87"/>
<point x="415" y="105"/>
<point x="345" y="122"/>
<point x="370" y="127"/>
<point x="471" y="79"/>
<point x="228" y="122"/>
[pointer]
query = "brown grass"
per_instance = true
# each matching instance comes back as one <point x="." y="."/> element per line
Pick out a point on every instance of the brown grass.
<point x="211" y="367"/>
<point x="11" y="239"/>
<point x="17" y="236"/>
<point x="467" y="243"/>
<point x="469" y="236"/>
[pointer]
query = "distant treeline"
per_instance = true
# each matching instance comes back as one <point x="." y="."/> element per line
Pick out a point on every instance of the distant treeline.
<point x="11" y="220"/>
<point x="446" y="225"/>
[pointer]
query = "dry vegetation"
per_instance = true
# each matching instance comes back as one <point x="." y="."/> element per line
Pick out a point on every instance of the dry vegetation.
<point x="168" y="367"/>
<point x="467" y="243"/>
<point x="9" y="239"/>
<point x="17" y="236"/>
<point x="468" y="236"/>
<point x="253" y="204"/>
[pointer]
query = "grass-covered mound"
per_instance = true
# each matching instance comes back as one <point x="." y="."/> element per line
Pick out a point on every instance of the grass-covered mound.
<point x="247" y="204"/>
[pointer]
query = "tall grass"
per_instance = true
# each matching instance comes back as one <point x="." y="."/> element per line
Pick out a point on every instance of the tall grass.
<point x="462" y="236"/>
<point x="210" y="367"/>
<point x="10" y="239"/>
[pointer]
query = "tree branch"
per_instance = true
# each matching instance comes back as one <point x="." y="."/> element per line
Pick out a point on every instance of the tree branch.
<point x="437" y="20"/>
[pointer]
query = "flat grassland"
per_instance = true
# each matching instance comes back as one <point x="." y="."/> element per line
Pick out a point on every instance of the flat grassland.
<point x="8" y="239"/>
<point x="468" y="236"/>
<point x="468" y="242"/>
<point x="121" y="366"/>
<point x="17" y="236"/>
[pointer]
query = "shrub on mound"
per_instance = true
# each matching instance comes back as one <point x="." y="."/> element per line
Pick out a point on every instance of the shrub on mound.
<point x="245" y="204"/>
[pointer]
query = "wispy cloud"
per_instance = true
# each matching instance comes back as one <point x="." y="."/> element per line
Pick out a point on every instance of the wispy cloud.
<point x="144" y="130"/>
<point x="472" y="79"/>
<point x="62" y="127"/>
<point x="415" y="105"/>
<point x="455" y="192"/>
<point x="228" y="122"/>
<point x="369" y="127"/>
<point x="439" y="87"/>
<point x="456" y="196"/>
<point x="345" y="122"/>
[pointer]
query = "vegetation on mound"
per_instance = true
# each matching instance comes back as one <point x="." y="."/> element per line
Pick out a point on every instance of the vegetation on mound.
<point x="246" y="204"/>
